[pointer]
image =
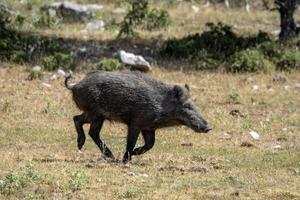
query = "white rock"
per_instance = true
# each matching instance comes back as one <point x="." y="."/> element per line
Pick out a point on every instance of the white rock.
<point x="134" y="60"/>
<point x="61" y="73"/>
<point x="255" y="87"/>
<point x="36" y="68"/>
<point x="195" y="8"/>
<point x="286" y="87"/>
<point x="53" y="77"/>
<point x="254" y="135"/>
<point x="95" y="25"/>
<point x="277" y="147"/>
<point x="276" y="33"/>
<point x="94" y="7"/>
<point x="46" y="85"/>
<point x="2" y="182"/>
<point x="284" y="129"/>
<point x="297" y="85"/>
<point x="119" y="10"/>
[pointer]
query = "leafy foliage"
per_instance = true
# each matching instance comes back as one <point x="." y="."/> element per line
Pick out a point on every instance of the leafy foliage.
<point x="140" y="16"/>
<point x="57" y="60"/>
<point x="220" y="46"/>
<point x="108" y="64"/>
<point x="15" y="181"/>
<point x="250" y="61"/>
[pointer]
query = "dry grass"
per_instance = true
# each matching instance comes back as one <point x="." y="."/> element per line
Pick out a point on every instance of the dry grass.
<point x="36" y="127"/>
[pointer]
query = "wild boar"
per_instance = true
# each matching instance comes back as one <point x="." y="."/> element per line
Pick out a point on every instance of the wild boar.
<point x="141" y="102"/>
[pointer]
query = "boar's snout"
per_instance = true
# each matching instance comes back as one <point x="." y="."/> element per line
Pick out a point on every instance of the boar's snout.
<point x="205" y="129"/>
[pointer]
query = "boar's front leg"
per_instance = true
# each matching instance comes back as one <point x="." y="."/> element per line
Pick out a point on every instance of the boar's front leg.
<point x="94" y="132"/>
<point x="132" y="136"/>
<point x="149" y="138"/>
<point x="79" y="120"/>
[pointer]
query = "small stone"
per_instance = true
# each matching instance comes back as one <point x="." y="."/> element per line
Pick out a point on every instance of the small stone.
<point x="278" y="147"/>
<point x="119" y="10"/>
<point x="255" y="87"/>
<point x="284" y="129"/>
<point x="254" y="135"/>
<point x="131" y="174"/>
<point x="61" y="73"/>
<point x="46" y="85"/>
<point x="286" y="87"/>
<point x="2" y="182"/>
<point x="53" y="77"/>
<point x="249" y="80"/>
<point x="135" y="61"/>
<point x="195" y="8"/>
<point x="297" y="85"/>
<point x="95" y="25"/>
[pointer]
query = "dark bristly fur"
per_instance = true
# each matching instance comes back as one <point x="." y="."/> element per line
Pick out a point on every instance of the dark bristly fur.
<point x="139" y="101"/>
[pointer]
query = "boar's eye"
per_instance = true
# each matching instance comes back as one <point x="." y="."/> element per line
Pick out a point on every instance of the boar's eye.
<point x="187" y="106"/>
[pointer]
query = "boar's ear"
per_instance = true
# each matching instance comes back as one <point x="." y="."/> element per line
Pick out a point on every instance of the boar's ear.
<point x="180" y="93"/>
<point x="187" y="87"/>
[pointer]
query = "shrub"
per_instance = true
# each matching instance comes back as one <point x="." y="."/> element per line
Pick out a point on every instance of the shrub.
<point x="35" y="72"/>
<point x="108" y="64"/>
<point x="250" y="60"/>
<point x="219" y="41"/>
<point x="15" y="181"/>
<point x="58" y="60"/>
<point x="220" y="45"/>
<point x="78" y="180"/>
<point x="44" y="20"/>
<point x="289" y="59"/>
<point x="140" y="16"/>
<point x="157" y="19"/>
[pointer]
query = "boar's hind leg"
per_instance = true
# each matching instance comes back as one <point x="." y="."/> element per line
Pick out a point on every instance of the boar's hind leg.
<point x="149" y="138"/>
<point x="79" y="120"/>
<point x="94" y="132"/>
<point x="132" y="136"/>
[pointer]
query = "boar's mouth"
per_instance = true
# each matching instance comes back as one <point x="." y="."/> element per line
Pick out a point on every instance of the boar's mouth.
<point x="199" y="127"/>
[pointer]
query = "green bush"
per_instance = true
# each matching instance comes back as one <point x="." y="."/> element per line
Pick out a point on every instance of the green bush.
<point x="17" y="180"/>
<point x="250" y="60"/>
<point x="289" y="59"/>
<point x="78" y="180"/>
<point x="58" y="60"/>
<point x="43" y="20"/>
<point x="157" y="19"/>
<point x="35" y="73"/>
<point x="108" y="64"/>
<point x="140" y="16"/>
<point x="220" y="46"/>
<point x="219" y="41"/>
<point x="205" y="61"/>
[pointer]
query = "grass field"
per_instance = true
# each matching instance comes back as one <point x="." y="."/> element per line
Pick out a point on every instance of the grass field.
<point x="38" y="149"/>
<point x="39" y="159"/>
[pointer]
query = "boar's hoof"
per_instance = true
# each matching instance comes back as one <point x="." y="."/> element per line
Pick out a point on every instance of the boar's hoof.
<point x="126" y="157"/>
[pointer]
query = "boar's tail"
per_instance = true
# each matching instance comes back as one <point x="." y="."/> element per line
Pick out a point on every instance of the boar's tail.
<point x="67" y="80"/>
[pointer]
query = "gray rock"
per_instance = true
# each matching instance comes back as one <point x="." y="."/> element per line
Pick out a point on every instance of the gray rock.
<point x="8" y="9"/>
<point x="95" y="25"/>
<point x="297" y="85"/>
<point x="135" y="61"/>
<point x="119" y="11"/>
<point x="279" y="78"/>
<point x="195" y="8"/>
<point x="72" y="11"/>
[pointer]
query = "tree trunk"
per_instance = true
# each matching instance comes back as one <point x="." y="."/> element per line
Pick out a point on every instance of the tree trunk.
<point x="286" y="9"/>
